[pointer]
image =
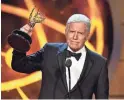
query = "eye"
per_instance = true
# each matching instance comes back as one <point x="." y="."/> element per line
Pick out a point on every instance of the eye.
<point x="72" y="31"/>
<point x="80" y="33"/>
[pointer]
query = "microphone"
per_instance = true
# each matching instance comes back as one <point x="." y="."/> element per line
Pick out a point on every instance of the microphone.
<point x="68" y="64"/>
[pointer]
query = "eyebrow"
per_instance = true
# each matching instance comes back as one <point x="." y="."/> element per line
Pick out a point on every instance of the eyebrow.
<point x="77" y="31"/>
<point x="72" y="30"/>
<point x="81" y="32"/>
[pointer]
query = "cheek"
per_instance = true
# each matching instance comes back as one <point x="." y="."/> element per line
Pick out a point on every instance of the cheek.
<point x="68" y="36"/>
<point x="82" y="40"/>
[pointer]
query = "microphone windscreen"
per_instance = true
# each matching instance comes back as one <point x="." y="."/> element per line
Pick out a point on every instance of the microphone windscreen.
<point x="68" y="63"/>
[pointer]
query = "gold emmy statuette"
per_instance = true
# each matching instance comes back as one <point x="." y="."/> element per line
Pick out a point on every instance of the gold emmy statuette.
<point x="37" y="18"/>
<point x="20" y="40"/>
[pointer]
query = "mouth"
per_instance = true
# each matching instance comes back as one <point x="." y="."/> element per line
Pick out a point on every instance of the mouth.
<point x="74" y="42"/>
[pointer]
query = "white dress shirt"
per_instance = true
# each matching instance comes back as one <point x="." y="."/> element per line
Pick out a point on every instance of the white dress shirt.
<point x="76" y="67"/>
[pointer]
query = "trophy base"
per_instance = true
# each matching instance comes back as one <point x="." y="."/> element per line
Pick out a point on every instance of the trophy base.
<point x="19" y="40"/>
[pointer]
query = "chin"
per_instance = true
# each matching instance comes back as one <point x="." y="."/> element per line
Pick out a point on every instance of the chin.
<point x="75" y="49"/>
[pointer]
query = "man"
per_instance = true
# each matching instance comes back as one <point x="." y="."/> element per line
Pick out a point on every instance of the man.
<point x="88" y="71"/>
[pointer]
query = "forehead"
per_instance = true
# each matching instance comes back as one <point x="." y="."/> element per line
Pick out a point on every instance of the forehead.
<point x="77" y="26"/>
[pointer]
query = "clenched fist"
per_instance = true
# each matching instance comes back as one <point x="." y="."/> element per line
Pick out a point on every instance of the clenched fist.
<point x="27" y="29"/>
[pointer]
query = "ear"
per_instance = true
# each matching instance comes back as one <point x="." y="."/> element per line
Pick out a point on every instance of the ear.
<point x="67" y="28"/>
<point x="87" y="36"/>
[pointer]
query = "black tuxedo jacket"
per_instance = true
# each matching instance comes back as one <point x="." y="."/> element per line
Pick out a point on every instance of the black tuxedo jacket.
<point x="51" y="59"/>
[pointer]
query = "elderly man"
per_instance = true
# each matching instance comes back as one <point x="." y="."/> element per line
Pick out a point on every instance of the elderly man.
<point x="86" y="75"/>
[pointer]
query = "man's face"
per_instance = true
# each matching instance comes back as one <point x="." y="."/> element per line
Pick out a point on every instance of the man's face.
<point x="76" y="35"/>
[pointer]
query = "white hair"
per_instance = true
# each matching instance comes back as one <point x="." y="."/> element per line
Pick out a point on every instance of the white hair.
<point x="79" y="18"/>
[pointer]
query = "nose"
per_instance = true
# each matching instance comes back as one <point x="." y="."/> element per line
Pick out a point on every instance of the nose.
<point x="75" y="36"/>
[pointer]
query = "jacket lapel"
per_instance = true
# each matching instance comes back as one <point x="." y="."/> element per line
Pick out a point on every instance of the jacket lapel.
<point x="61" y="56"/>
<point x="86" y="69"/>
<point x="87" y="66"/>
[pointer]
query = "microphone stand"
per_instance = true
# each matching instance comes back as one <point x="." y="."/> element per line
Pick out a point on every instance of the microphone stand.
<point x="69" y="95"/>
<point x="68" y="64"/>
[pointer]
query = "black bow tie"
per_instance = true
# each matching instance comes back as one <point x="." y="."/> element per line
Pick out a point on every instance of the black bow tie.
<point x="76" y="55"/>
